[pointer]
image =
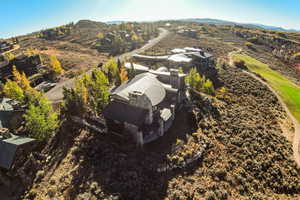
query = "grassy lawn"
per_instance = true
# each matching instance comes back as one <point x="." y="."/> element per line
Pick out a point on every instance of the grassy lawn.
<point x="289" y="92"/>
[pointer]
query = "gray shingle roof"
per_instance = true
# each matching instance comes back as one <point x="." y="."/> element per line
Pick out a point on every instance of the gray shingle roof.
<point x="144" y="83"/>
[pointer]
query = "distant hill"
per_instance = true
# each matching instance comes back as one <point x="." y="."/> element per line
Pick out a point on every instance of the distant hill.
<point x="115" y="22"/>
<point x="218" y="21"/>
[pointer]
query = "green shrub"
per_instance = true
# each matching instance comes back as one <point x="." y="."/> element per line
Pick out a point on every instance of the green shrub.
<point x="208" y="87"/>
<point x="198" y="83"/>
<point x="40" y="119"/>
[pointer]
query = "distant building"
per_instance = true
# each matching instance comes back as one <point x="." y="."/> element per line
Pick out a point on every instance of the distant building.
<point x="188" y="33"/>
<point x="180" y="57"/>
<point x="23" y="63"/>
<point x="145" y="105"/>
<point x="5" y="46"/>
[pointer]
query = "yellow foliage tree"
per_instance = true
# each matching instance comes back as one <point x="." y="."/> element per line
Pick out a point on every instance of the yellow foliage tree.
<point x="17" y="75"/>
<point x="56" y="65"/>
<point x="25" y="83"/>
<point x="100" y="36"/>
<point x="10" y="56"/>
<point x="12" y="90"/>
<point x="81" y="89"/>
<point x="21" y="79"/>
<point x="123" y="74"/>
<point x="134" y="36"/>
<point x="31" y="52"/>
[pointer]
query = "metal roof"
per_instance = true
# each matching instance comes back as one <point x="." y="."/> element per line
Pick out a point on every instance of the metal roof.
<point x="145" y="83"/>
<point x="136" y="66"/>
<point x="8" y="148"/>
<point x="5" y="104"/>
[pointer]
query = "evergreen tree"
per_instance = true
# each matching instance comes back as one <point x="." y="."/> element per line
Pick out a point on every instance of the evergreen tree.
<point x="119" y="64"/>
<point x="131" y="73"/>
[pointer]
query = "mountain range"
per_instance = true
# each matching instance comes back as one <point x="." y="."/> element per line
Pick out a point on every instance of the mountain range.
<point x="225" y="22"/>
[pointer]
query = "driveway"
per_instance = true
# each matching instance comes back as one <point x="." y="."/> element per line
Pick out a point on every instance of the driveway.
<point x="56" y="93"/>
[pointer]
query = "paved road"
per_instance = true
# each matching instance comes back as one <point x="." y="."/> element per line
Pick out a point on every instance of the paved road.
<point x="56" y="93"/>
<point x="296" y="139"/>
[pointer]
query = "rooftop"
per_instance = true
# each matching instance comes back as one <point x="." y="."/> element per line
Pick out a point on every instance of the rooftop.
<point x="145" y="83"/>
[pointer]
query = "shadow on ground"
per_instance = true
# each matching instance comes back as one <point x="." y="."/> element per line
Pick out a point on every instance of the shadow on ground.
<point x="120" y="169"/>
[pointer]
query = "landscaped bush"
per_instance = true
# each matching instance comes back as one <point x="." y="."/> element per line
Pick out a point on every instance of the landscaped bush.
<point x="201" y="84"/>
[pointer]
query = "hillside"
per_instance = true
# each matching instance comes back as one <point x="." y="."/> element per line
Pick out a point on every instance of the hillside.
<point x="250" y="25"/>
<point x="233" y="143"/>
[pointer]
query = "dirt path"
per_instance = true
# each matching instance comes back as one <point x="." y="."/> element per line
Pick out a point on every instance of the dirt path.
<point x="296" y="139"/>
<point x="56" y="93"/>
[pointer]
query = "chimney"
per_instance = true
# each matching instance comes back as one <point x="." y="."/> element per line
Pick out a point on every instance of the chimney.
<point x="174" y="78"/>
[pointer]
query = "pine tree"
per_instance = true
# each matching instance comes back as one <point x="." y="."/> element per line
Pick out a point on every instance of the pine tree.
<point x="131" y="73"/>
<point x="119" y="65"/>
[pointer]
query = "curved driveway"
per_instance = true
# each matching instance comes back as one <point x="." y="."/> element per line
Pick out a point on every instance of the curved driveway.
<point x="56" y="93"/>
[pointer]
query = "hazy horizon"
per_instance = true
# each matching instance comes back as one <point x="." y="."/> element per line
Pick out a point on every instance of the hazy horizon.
<point x="33" y="15"/>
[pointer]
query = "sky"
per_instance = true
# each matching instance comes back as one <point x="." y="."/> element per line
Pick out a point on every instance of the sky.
<point x="19" y="17"/>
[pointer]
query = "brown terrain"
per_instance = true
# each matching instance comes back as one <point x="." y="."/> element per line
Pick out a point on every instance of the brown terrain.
<point x="245" y="137"/>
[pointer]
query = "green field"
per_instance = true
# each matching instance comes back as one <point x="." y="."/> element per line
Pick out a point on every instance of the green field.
<point x="289" y="92"/>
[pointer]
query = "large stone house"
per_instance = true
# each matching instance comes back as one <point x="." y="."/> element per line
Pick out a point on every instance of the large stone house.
<point x="145" y="106"/>
<point x="185" y="58"/>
